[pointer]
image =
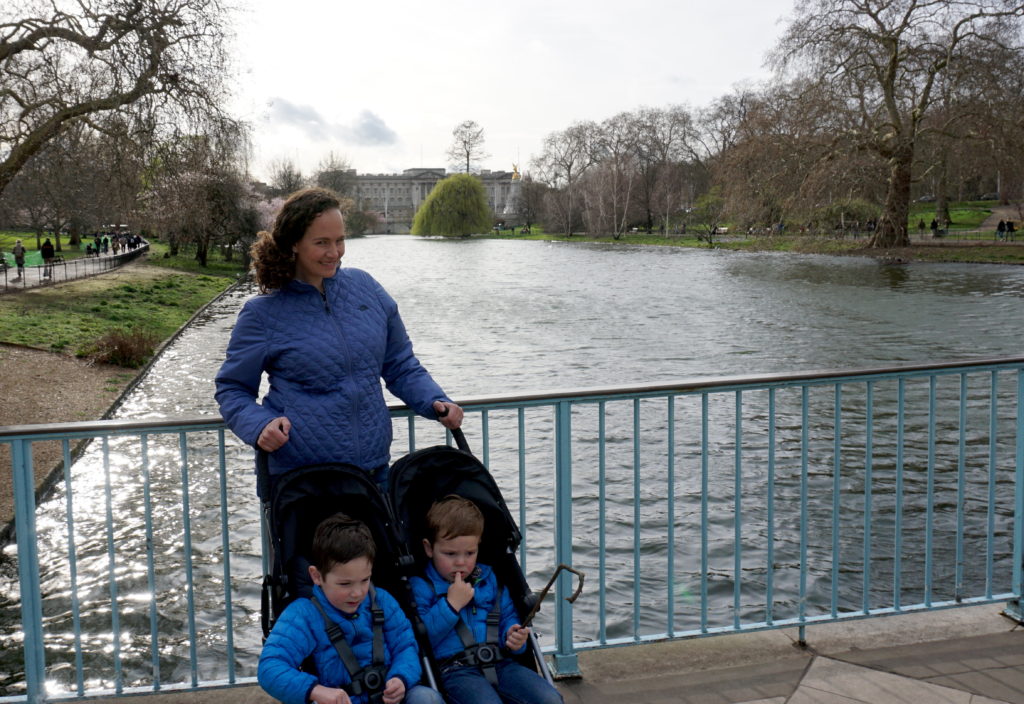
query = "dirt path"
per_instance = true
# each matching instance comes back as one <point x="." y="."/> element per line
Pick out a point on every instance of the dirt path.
<point x="46" y="387"/>
<point x="1001" y="212"/>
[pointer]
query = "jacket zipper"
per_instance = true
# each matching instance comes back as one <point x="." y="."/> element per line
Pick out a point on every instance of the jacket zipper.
<point x="348" y="370"/>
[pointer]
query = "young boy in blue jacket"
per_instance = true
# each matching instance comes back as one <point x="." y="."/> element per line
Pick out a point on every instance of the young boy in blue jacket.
<point x="456" y="589"/>
<point x="342" y="557"/>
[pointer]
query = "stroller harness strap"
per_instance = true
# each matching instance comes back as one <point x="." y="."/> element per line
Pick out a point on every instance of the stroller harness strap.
<point x="369" y="680"/>
<point x="482" y="655"/>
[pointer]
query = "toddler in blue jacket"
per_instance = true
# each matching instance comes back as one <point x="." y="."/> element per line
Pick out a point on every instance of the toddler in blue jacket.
<point x="342" y="557"/>
<point x="455" y="598"/>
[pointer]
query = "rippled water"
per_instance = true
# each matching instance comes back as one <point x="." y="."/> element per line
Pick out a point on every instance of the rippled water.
<point x="495" y="317"/>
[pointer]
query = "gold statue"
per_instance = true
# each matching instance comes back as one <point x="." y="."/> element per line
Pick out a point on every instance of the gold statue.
<point x="515" y="172"/>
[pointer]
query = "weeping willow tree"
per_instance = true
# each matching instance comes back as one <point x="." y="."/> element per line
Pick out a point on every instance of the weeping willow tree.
<point x="455" y="208"/>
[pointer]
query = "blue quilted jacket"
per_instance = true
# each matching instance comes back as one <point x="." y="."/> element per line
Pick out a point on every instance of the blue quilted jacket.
<point x="325" y="356"/>
<point x="300" y="632"/>
<point x="440" y="618"/>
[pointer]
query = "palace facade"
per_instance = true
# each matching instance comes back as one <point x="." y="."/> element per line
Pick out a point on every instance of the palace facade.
<point x="395" y="198"/>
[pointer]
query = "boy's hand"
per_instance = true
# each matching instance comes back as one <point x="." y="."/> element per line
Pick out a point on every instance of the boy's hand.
<point x="460" y="593"/>
<point x="516" y="637"/>
<point x="329" y="695"/>
<point x="394" y="691"/>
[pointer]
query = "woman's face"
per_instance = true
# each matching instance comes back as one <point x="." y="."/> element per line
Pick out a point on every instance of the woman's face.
<point x="318" y="254"/>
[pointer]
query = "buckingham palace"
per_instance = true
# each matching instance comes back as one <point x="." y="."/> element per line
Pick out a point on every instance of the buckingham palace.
<point x="395" y="198"/>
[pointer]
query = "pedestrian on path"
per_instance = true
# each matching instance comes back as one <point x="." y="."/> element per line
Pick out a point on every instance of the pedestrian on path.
<point x="48" y="254"/>
<point x="19" y="257"/>
<point x="1011" y="231"/>
<point x="1000" y="230"/>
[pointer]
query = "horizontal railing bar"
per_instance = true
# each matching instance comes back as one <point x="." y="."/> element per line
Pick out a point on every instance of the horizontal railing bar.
<point x="725" y="384"/>
<point x="489" y="402"/>
<point x="92" y="428"/>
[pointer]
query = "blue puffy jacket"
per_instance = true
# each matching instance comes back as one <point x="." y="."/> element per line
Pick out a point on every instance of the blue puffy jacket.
<point x="300" y="632"/>
<point x="325" y="356"/>
<point x="440" y="618"/>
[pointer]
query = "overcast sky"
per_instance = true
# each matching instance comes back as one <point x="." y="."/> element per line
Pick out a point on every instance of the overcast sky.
<point x="382" y="83"/>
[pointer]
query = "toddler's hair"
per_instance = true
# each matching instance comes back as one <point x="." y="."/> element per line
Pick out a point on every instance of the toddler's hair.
<point x="453" y="517"/>
<point x="339" y="539"/>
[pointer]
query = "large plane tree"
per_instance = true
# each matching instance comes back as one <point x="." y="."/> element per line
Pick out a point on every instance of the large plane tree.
<point x="883" y="62"/>
<point x="162" y="61"/>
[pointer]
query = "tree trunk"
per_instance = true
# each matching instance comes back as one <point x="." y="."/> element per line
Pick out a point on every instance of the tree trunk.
<point x="892" y="226"/>
<point x="941" y="189"/>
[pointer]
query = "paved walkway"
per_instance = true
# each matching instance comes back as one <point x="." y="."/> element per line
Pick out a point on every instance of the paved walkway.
<point x="69" y="270"/>
<point x="971" y="655"/>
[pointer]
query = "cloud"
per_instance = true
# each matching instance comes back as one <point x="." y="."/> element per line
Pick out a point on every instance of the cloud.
<point x="304" y="118"/>
<point x="368" y="129"/>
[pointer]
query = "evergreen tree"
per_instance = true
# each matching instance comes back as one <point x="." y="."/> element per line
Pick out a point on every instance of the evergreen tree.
<point x="456" y="207"/>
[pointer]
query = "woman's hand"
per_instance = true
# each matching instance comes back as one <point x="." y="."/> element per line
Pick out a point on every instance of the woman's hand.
<point x="274" y="434"/>
<point x="448" y="414"/>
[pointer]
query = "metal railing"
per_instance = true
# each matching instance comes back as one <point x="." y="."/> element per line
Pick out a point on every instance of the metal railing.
<point x="696" y="508"/>
<point x="61" y="269"/>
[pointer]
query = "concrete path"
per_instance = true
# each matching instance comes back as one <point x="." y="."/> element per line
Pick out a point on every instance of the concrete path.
<point x="971" y="655"/>
<point x="69" y="270"/>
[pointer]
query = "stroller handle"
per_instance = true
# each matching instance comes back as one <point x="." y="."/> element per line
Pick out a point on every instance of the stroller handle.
<point x="460" y="440"/>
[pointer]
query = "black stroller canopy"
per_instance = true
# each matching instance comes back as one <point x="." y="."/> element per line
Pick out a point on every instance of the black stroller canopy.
<point x="305" y="497"/>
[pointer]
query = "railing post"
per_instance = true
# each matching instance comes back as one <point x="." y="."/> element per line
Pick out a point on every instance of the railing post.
<point x="1015" y="607"/>
<point x="565" y="660"/>
<point x="28" y="570"/>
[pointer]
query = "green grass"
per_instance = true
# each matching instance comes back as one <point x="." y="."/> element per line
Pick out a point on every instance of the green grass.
<point x="72" y="317"/>
<point x="28" y="239"/>
<point x="159" y="255"/>
<point x="965" y="215"/>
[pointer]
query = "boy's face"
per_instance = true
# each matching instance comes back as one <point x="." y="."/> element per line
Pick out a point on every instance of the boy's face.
<point x="453" y="556"/>
<point x="346" y="584"/>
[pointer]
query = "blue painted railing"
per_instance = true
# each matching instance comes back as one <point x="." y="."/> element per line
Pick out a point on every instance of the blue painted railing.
<point x="695" y="508"/>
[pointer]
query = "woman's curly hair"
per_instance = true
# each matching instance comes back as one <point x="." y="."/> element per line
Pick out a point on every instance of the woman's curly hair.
<point x="272" y="255"/>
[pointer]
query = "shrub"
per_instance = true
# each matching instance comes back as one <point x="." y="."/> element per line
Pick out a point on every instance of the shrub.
<point x="456" y="207"/>
<point x="125" y="348"/>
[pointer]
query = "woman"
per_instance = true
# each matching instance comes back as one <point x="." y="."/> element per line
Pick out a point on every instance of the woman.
<point x="325" y="336"/>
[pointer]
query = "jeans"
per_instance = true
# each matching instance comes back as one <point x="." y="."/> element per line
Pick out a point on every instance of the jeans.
<point x="418" y="694"/>
<point x="516" y="685"/>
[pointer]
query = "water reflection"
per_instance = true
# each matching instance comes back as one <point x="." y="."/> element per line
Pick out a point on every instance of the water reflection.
<point x="529" y="316"/>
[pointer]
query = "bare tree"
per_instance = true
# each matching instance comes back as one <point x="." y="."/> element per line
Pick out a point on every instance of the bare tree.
<point x="285" y="177"/>
<point x="335" y="173"/>
<point x="666" y="141"/>
<point x="60" y="63"/>
<point x="883" y="58"/>
<point x="565" y="157"/>
<point x="611" y="183"/>
<point x="468" y="145"/>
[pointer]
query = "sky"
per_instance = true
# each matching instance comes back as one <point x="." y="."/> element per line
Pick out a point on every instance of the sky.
<point x="382" y="83"/>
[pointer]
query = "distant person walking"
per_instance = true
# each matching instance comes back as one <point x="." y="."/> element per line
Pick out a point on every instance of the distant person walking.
<point x="19" y="257"/>
<point x="48" y="254"/>
<point x="1000" y="230"/>
<point x="935" y="227"/>
<point x="1011" y="231"/>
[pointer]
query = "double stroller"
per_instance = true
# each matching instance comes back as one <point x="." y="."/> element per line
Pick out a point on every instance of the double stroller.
<point x="300" y="499"/>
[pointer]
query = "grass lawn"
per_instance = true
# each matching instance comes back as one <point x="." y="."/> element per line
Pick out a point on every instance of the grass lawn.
<point x="965" y="215"/>
<point x="74" y="316"/>
<point x="28" y="239"/>
<point x="159" y="255"/>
